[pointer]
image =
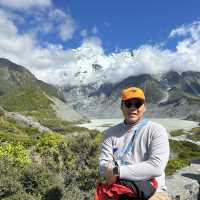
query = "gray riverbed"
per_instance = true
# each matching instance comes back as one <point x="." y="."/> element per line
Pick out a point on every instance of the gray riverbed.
<point x="168" y="123"/>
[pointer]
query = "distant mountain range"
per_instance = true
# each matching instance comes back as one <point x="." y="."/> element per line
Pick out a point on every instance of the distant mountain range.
<point x="171" y="94"/>
<point x="21" y="91"/>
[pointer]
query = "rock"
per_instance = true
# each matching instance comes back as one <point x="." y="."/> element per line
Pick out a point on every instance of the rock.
<point x="184" y="185"/>
<point x="26" y="121"/>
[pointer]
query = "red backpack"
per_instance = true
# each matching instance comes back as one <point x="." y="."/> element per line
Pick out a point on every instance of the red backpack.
<point x="126" y="189"/>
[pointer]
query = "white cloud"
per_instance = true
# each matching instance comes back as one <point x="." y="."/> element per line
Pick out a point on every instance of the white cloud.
<point x="63" y="23"/>
<point x="56" y="65"/>
<point x="192" y="30"/>
<point x="8" y="28"/>
<point x="181" y="31"/>
<point x="57" y="15"/>
<point x="92" y="43"/>
<point x="49" y="20"/>
<point x="84" y="33"/>
<point x="67" y="29"/>
<point x="25" y="4"/>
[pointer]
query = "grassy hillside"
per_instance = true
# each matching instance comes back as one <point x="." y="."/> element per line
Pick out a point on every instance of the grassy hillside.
<point x="29" y="101"/>
<point x="21" y="91"/>
<point x="16" y="79"/>
<point x="25" y="99"/>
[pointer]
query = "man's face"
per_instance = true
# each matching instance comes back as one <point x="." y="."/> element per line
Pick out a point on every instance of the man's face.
<point x="133" y="110"/>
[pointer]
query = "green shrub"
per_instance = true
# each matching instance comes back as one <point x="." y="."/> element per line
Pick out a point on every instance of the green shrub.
<point x="10" y="176"/>
<point x="55" y="152"/>
<point x="34" y="182"/>
<point x="86" y="150"/>
<point x="183" y="146"/>
<point x="40" y="181"/>
<point x="72" y="192"/>
<point x="22" y="196"/>
<point x="62" y="127"/>
<point x="13" y="133"/>
<point x="186" y="152"/>
<point x="184" y="155"/>
<point x="49" y="141"/>
<point x="5" y="125"/>
<point x="174" y="165"/>
<point x="6" y="137"/>
<point x="74" y="157"/>
<point x="195" y="134"/>
<point x="17" y="153"/>
<point x="1" y="111"/>
<point x="177" y="132"/>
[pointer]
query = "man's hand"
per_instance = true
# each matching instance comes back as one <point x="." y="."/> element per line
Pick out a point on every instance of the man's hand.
<point x="110" y="177"/>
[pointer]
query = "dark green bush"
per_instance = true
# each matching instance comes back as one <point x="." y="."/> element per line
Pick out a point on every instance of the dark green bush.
<point x="86" y="153"/>
<point x="10" y="176"/>
<point x="177" y="133"/>
<point x="61" y="126"/>
<point x="183" y="146"/>
<point x="22" y="196"/>
<point x="40" y="181"/>
<point x="72" y="192"/>
<point x="195" y="134"/>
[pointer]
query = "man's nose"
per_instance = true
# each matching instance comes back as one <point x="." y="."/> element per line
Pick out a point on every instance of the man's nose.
<point x="132" y="108"/>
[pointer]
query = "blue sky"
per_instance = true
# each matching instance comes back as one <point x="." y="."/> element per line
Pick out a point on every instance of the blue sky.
<point x="121" y="24"/>
<point x="131" y="23"/>
<point x="57" y="39"/>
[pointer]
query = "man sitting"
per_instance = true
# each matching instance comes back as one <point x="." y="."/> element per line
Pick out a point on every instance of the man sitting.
<point x="137" y="149"/>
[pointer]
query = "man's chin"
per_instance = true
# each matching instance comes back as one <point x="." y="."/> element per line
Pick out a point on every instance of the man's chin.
<point x="133" y="120"/>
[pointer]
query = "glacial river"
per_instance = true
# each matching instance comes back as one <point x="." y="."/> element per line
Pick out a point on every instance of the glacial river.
<point x="168" y="123"/>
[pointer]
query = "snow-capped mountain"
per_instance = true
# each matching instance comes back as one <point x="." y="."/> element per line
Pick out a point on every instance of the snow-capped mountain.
<point x="171" y="94"/>
<point x="90" y="65"/>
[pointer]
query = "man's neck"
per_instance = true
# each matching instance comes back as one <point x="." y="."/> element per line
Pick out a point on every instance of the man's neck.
<point x="132" y="123"/>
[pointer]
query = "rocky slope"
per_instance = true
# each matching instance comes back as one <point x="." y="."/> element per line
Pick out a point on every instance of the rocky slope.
<point x="169" y="95"/>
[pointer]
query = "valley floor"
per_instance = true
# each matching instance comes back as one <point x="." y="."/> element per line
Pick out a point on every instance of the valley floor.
<point x="169" y="124"/>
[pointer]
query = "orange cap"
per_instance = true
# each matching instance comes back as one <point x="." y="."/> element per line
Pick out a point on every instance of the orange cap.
<point x="132" y="93"/>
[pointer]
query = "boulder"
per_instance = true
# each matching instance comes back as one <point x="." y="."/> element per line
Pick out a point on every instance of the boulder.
<point x="184" y="185"/>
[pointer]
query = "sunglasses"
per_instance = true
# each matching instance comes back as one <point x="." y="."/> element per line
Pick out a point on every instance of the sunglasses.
<point x="132" y="103"/>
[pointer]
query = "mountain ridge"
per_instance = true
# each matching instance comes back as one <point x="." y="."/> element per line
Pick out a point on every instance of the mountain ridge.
<point x="173" y="91"/>
<point x="21" y="91"/>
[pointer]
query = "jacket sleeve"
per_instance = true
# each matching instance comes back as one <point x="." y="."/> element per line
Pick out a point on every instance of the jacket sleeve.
<point x="157" y="159"/>
<point x="106" y="154"/>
